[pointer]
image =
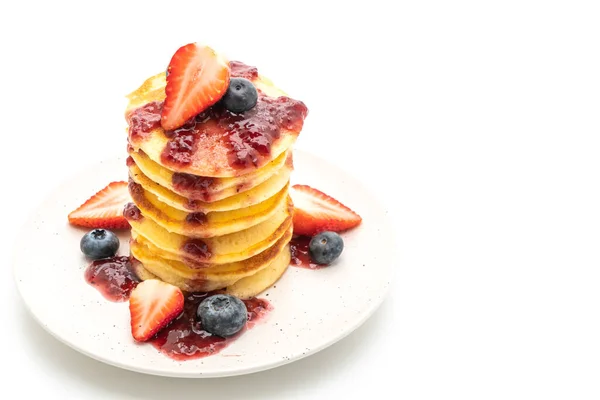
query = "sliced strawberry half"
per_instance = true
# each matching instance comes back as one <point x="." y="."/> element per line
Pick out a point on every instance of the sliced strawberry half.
<point x="104" y="209"/>
<point x="197" y="78"/>
<point x="152" y="305"/>
<point x="315" y="212"/>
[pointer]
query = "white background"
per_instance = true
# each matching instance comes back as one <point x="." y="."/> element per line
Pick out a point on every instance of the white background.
<point x="476" y="123"/>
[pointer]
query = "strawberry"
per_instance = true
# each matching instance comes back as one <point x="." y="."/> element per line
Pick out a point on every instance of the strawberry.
<point x="152" y="305"/>
<point x="104" y="209"/>
<point x="197" y="78"/>
<point x="315" y="212"/>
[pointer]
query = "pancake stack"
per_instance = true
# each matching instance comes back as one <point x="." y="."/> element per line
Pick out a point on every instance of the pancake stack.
<point x="211" y="209"/>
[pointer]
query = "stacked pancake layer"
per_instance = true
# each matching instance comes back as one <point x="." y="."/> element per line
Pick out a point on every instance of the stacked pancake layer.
<point x="211" y="206"/>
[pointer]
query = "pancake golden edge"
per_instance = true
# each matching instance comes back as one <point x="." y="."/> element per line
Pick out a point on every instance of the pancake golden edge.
<point x="260" y="190"/>
<point x="141" y="272"/>
<point x="220" y="249"/>
<point x="253" y="285"/>
<point x="216" y="224"/>
<point x="207" y="279"/>
<point x="212" y="163"/>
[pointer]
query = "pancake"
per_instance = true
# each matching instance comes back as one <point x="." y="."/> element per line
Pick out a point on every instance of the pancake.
<point x="207" y="279"/>
<point x="212" y="210"/>
<point x="216" y="143"/>
<point x="200" y="225"/>
<point x="223" y="193"/>
<point x="141" y="272"/>
<point x="253" y="285"/>
<point x="216" y="250"/>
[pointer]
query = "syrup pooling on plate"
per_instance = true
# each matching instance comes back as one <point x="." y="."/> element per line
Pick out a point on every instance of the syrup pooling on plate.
<point x="112" y="277"/>
<point x="300" y="254"/>
<point x="248" y="136"/>
<point x="185" y="339"/>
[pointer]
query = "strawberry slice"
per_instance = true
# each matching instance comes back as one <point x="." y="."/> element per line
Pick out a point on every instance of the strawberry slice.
<point x="152" y="305"/>
<point x="197" y="78"/>
<point x="104" y="209"/>
<point x="315" y="212"/>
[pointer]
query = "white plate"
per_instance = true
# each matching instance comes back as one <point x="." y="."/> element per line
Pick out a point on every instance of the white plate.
<point x="312" y="309"/>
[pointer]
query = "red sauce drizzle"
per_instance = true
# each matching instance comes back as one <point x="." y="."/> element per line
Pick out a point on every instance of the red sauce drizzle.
<point x="132" y="212"/>
<point x="196" y="218"/>
<point x="300" y="254"/>
<point x="113" y="277"/>
<point x="194" y="186"/>
<point x="197" y="248"/>
<point x="193" y="204"/>
<point x="144" y="119"/>
<point x="185" y="339"/>
<point x="250" y="135"/>
<point x="182" y="143"/>
<point x="241" y="70"/>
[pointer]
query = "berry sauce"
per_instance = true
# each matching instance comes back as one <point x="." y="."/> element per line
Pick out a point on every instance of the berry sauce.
<point x="185" y="339"/>
<point x="248" y="136"/>
<point x="196" y="218"/>
<point x="196" y="248"/>
<point x="132" y="212"/>
<point x="194" y="186"/>
<point x="300" y="254"/>
<point x="112" y="277"/>
<point x="144" y="119"/>
<point x="241" y="70"/>
<point x="183" y="142"/>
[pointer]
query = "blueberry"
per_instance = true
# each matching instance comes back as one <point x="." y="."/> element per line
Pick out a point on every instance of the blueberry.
<point x="240" y="96"/>
<point x="222" y="315"/>
<point x="325" y="247"/>
<point x="99" y="243"/>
